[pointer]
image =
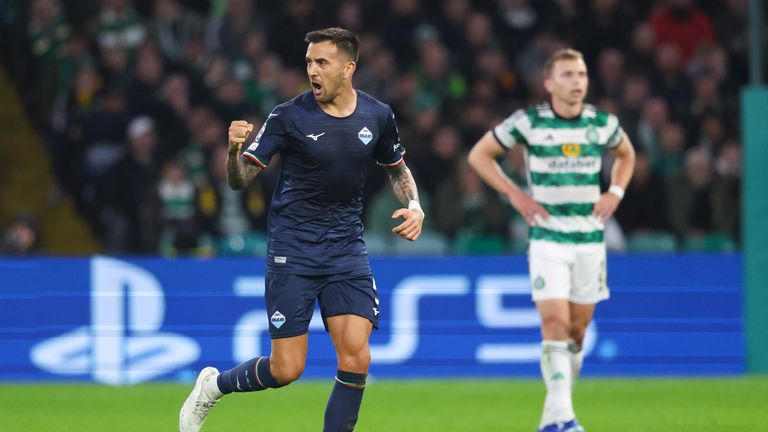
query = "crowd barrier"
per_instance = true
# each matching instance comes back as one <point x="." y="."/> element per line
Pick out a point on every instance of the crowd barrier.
<point x="124" y="321"/>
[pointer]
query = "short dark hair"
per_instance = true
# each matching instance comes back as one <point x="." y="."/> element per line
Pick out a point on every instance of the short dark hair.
<point x="346" y="41"/>
<point x="563" y="54"/>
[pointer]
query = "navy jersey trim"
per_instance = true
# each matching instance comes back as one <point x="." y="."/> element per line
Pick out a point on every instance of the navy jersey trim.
<point x="255" y="160"/>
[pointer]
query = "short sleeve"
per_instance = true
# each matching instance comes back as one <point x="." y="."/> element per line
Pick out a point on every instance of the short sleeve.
<point x="616" y="133"/>
<point x="270" y="140"/>
<point x="389" y="151"/>
<point x="511" y="131"/>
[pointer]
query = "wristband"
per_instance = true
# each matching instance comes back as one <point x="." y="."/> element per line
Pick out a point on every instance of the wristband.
<point x="413" y="204"/>
<point x="617" y="190"/>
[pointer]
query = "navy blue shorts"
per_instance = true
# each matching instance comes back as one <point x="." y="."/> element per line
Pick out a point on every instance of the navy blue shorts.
<point x="291" y="300"/>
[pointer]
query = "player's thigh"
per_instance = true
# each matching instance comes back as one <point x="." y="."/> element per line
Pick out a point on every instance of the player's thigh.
<point x="290" y="303"/>
<point x="350" y="295"/>
<point x="350" y="334"/>
<point x="550" y="271"/>
<point x="289" y="354"/>
<point x="589" y="282"/>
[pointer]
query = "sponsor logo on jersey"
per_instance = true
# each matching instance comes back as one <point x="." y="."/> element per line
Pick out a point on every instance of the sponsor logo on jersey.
<point x="571" y="150"/>
<point x="315" y="136"/>
<point x="365" y="135"/>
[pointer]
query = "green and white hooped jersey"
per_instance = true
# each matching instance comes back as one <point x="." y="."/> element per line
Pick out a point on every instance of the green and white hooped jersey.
<point x="563" y="162"/>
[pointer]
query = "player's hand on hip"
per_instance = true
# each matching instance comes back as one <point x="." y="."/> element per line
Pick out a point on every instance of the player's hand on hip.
<point x="606" y="205"/>
<point x="410" y="229"/>
<point x="238" y="133"/>
<point x="530" y="210"/>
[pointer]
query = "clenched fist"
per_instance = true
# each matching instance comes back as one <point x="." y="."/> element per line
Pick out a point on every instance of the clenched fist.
<point x="238" y="133"/>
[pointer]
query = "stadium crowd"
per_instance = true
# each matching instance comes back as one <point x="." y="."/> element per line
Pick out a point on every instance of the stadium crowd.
<point x="133" y="99"/>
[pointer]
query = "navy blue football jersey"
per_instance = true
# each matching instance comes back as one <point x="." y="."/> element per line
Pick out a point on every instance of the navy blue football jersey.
<point x="315" y="225"/>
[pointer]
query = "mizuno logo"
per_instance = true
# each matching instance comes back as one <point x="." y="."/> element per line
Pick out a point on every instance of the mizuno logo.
<point x="315" y="137"/>
<point x="549" y="138"/>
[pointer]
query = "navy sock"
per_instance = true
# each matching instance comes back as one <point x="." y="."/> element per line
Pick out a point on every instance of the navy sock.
<point x="344" y="403"/>
<point x="253" y="375"/>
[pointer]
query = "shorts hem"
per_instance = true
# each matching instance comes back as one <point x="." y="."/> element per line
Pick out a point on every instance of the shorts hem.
<point x="287" y="335"/>
<point x="374" y="323"/>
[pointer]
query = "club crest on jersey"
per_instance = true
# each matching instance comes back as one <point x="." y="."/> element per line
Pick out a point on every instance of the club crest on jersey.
<point x="277" y="319"/>
<point x="365" y="135"/>
<point x="592" y="134"/>
<point x="571" y="150"/>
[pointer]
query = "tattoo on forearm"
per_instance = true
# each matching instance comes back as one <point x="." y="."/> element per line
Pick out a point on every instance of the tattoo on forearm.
<point x="240" y="173"/>
<point x="403" y="184"/>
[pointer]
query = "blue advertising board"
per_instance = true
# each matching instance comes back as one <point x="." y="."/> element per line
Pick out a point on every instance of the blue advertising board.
<point x="126" y="321"/>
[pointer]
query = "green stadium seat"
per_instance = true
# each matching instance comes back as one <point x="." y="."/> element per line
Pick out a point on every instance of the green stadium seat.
<point x="249" y="244"/>
<point x="429" y="243"/>
<point x="377" y="244"/>
<point x="649" y="242"/>
<point x="479" y="245"/>
<point x="716" y="242"/>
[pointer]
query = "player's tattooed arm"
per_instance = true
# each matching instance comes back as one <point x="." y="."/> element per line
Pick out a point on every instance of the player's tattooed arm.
<point x="403" y="184"/>
<point x="405" y="191"/>
<point x="239" y="172"/>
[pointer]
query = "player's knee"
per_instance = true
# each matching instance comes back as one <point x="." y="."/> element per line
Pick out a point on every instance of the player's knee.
<point x="578" y="329"/>
<point x="355" y="362"/>
<point x="555" y="328"/>
<point x="286" y="372"/>
<point x="577" y="333"/>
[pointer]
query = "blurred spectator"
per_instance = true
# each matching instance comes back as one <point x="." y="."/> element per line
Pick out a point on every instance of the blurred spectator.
<point x="641" y="53"/>
<point x="655" y="115"/>
<point x="438" y="82"/>
<point x="682" y="24"/>
<point x="129" y="216"/>
<point x="669" y="160"/>
<point x="438" y="165"/>
<point x="635" y="94"/>
<point x="120" y="27"/>
<point x="700" y="199"/>
<point x="448" y="69"/>
<point x="172" y="26"/>
<point x="179" y="229"/>
<point x="670" y="81"/>
<point x="21" y="237"/>
<point x="464" y="204"/>
<point x="644" y="207"/>
<point x="228" y="212"/>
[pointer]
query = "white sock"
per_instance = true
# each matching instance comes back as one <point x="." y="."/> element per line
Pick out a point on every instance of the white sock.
<point x="556" y="371"/>
<point x="576" y="353"/>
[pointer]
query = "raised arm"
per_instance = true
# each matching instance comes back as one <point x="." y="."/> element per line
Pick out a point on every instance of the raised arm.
<point x="405" y="190"/>
<point x="239" y="172"/>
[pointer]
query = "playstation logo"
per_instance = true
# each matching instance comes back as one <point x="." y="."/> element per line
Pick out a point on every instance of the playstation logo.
<point x="123" y="344"/>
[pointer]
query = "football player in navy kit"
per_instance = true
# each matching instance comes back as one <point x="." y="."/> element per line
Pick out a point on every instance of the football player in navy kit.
<point x="326" y="139"/>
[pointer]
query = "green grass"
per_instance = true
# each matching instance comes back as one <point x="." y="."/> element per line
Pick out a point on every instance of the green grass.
<point x="637" y="405"/>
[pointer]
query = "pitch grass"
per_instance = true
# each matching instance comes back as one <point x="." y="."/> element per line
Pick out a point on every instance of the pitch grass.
<point x="611" y="405"/>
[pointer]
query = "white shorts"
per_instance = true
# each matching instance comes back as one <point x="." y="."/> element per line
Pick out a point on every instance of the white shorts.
<point x="564" y="271"/>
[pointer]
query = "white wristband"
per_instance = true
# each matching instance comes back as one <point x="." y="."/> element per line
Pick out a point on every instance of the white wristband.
<point x="413" y="204"/>
<point x="617" y="190"/>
